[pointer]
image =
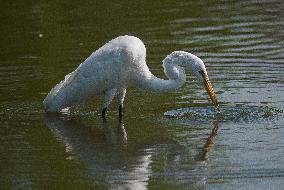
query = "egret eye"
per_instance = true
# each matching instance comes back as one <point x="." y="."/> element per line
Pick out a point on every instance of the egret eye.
<point x="201" y="72"/>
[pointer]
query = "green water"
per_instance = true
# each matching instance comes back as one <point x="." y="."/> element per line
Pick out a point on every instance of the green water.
<point x="173" y="140"/>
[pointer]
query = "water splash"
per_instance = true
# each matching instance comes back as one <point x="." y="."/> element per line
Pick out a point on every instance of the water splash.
<point x="228" y="113"/>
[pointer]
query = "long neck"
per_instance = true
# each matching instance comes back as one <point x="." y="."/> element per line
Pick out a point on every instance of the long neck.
<point x="155" y="84"/>
<point x="149" y="82"/>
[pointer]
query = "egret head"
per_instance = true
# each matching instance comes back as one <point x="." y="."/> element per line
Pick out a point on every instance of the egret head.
<point x="197" y="67"/>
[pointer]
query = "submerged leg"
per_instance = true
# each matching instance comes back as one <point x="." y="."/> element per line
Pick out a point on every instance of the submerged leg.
<point x="107" y="99"/>
<point x="121" y="96"/>
<point x="104" y="110"/>
<point x="120" y="110"/>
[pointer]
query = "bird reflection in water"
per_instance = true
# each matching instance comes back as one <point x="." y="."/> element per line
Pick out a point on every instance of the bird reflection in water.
<point x="208" y="146"/>
<point x="103" y="150"/>
<point x="106" y="152"/>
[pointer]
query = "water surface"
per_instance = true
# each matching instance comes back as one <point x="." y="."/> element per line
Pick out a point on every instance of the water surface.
<point x="174" y="140"/>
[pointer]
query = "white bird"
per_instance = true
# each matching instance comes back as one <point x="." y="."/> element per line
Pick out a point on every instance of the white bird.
<point x="118" y="64"/>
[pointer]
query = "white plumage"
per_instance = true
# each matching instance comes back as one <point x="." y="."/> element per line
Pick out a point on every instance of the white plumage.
<point x="118" y="64"/>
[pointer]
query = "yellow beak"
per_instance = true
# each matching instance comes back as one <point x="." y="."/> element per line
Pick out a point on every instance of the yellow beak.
<point x="210" y="91"/>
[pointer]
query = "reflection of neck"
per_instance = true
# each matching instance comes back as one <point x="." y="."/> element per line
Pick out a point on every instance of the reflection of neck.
<point x="136" y="178"/>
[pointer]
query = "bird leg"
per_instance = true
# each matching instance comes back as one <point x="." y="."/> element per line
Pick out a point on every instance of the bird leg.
<point x="121" y="96"/>
<point x="104" y="112"/>
<point x="120" y="110"/>
<point x="107" y="99"/>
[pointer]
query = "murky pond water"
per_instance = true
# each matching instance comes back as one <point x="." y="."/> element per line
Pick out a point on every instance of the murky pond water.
<point x="173" y="140"/>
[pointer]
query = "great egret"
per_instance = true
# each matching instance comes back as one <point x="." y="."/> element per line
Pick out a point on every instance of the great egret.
<point x="118" y="64"/>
